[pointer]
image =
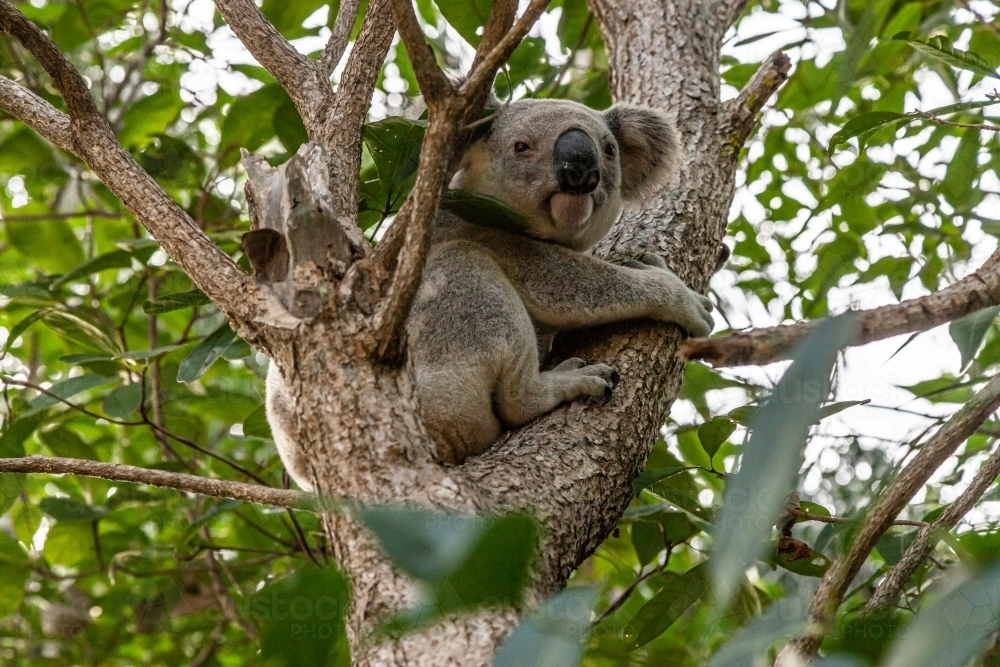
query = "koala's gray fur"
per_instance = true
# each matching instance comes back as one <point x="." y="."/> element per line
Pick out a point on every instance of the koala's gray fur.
<point x="488" y="295"/>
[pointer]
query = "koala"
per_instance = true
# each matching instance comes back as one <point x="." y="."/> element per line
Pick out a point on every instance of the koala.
<point x="490" y="297"/>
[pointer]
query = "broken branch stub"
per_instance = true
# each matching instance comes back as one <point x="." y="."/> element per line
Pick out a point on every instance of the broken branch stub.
<point x="296" y="240"/>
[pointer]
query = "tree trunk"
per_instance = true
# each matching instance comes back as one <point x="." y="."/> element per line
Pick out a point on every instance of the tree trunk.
<point x="573" y="467"/>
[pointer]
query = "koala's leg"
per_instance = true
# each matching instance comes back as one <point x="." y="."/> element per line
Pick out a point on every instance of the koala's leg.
<point x="281" y="418"/>
<point x="524" y="393"/>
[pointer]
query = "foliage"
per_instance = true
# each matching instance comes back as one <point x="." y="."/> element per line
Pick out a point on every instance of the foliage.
<point x="854" y="185"/>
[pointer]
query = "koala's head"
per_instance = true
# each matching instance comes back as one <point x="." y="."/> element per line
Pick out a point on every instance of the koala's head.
<point x="569" y="169"/>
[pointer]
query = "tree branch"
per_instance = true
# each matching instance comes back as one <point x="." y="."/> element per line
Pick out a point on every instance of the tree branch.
<point x="346" y="112"/>
<point x="978" y="290"/>
<point x="116" y="472"/>
<point x="340" y="37"/>
<point x="212" y="270"/>
<point x="298" y="75"/>
<point x="434" y="85"/>
<point x="929" y="535"/>
<point x="486" y="69"/>
<point x="36" y="113"/>
<point x="880" y="518"/>
<point x="741" y="113"/>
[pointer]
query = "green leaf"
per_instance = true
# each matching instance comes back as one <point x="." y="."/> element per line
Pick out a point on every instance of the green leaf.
<point x="255" y="424"/>
<point x="480" y="209"/>
<point x="250" y="122"/>
<point x="123" y="401"/>
<point x="839" y="406"/>
<point x="552" y="636"/>
<point x="16" y="432"/>
<point x="647" y="540"/>
<point x="79" y="331"/>
<point x="116" y="259"/>
<point x="681" y="500"/>
<point x="713" y="433"/>
<point x="63" y="442"/>
<point x="968" y="332"/>
<point x="67" y="509"/>
<point x="394" y="144"/>
<point x="894" y="544"/>
<point x="20" y="328"/>
<point x="467" y="17"/>
<point x="26" y="291"/>
<point x="678" y="592"/>
<point x="815" y="566"/>
<point x="15" y="568"/>
<point x="954" y="628"/>
<point x="813" y="508"/>
<point x="301" y="619"/>
<point x="149" y="116"/>
<point x="755" y="496"/>
<point x="781" y="620"/>
<point x="204" y="354"/>
<point x="743" y="415"/>
<point x="426" y="545"/>
<point x="469" y="561"/>
<point x="940" y="47"/>
<point x="647" y="477"/>
<point x="866" y="123"/>
<point x="65" y="389"/>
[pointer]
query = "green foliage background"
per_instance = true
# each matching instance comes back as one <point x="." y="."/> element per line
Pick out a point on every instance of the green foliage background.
<point x="110" y="574"/>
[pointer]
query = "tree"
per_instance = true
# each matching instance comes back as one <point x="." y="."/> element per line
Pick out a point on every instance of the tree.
<point x="116" y="158"/>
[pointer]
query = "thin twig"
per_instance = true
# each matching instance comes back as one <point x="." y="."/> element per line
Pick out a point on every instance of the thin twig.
<point x="843" y="521"/>
<point x="117" y="472"/>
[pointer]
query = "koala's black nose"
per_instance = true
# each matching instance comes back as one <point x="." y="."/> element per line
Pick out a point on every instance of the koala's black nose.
<point x="577" y="162"/>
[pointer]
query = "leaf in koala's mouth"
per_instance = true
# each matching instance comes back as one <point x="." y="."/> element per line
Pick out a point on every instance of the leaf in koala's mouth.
<point x="483" y="210"/>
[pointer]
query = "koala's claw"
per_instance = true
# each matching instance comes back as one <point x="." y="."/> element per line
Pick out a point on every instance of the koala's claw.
<point x="571" y="364"/>
<point x="647" y="260"/>
<point x="615" y="379"/>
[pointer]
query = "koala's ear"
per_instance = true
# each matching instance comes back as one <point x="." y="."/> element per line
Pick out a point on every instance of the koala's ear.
<point x="649" y="148"/>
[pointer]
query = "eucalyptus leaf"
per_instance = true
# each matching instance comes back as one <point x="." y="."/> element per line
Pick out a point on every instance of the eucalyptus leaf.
<point x="968" y="332"/>
<point x="677" y="593"/>
<point x="205" y="353"/>
<point x="754" y="498"/>
<point x="552" y="636"/>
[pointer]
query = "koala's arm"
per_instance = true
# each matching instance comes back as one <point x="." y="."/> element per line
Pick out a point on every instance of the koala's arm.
<point x="563" y="289"/>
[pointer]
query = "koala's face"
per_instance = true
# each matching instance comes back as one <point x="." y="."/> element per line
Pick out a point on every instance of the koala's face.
<point x="568" y="168"/>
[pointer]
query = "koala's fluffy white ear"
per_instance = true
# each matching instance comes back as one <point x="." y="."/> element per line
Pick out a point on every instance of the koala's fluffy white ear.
<point x="649" y="148"/>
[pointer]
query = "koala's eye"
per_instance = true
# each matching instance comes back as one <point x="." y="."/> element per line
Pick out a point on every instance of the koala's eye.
<point x="609" y="150"/>
<point x="521" y="147"/>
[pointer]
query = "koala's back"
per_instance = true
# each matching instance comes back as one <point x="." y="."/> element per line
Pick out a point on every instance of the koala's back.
<point x="466" y="327"/>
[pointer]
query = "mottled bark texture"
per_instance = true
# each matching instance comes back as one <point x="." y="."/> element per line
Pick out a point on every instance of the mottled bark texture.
<point x="357" y="415"/>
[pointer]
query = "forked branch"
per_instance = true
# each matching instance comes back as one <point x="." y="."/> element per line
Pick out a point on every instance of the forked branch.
<point x="741" y="113"/>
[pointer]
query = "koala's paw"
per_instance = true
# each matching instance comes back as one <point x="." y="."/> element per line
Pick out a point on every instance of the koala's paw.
<point x="695" y="314"/>
<point x="646" y="261"/>
<point x="583" y="380"/>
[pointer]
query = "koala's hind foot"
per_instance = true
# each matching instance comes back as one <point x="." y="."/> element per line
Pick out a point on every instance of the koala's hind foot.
<point x="576" y="368"/>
